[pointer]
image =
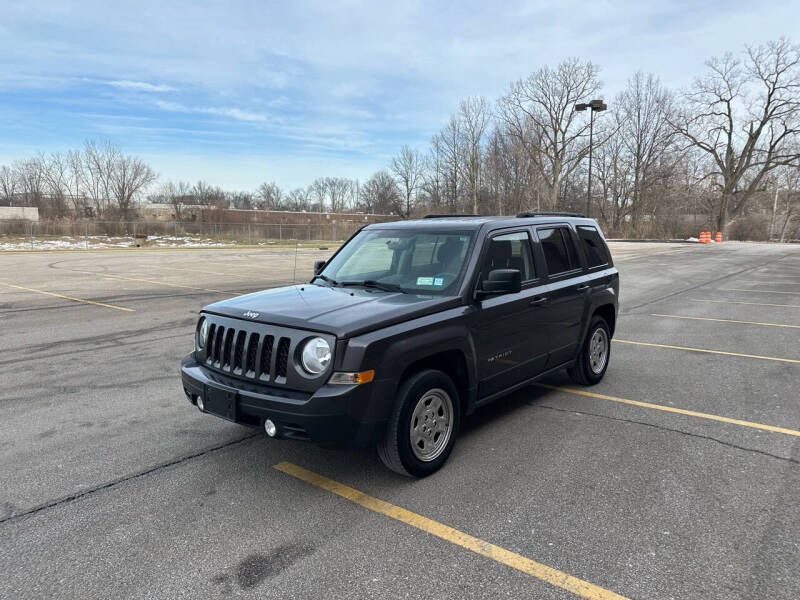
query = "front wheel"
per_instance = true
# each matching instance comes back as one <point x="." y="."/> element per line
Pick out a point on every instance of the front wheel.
<point x="592" y="362"/>
<point x="422" y="428"/>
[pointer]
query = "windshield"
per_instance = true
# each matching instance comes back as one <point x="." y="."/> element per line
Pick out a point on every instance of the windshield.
<point x="429" y="262"/>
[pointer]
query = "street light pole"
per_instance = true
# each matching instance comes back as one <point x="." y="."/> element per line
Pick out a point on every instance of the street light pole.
<point x="595" y="106"/>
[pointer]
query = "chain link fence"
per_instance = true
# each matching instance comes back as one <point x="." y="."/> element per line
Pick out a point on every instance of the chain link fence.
<point x="22" y="235"/>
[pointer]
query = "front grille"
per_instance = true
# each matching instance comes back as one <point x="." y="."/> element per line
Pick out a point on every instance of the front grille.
<point x="218" y="344"/>
<point x="282" y="361"/>
<point x="266" y="357"/>
<point x="238" y="352"/>
<point x="258" y="352"/>
<point x="252" y="352"/>
<point x="226" y="349"/>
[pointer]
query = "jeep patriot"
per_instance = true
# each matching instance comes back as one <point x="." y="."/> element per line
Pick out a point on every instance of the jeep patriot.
<point x="406" y="329"/>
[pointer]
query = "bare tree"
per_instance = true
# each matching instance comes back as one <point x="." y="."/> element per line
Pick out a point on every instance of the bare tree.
<point x="241" y="200"/>
<point x="176" y="194"/>
<point x="539" y="113"/>
<point x="55" y="170"/>
<point x="642" y="113"/>
<point x="9" y="180"/>
<point x="433" y="181"/>
<point x="474" y="114"/>
<point x="318" y="191"/>
<point x="129" y="176"/>
<point x="270" y="195"/>
<point x="379" y="194"/>
<point x="99" y="160"/>
<point x="205" y="194"/>
<point x="31" y="180"/>
<point x="744" y="114"/>
<point x="298" y="199"/>
<point x="449" y="145"/>
<point x="408" y="168"/>
<point x="75" y="181"/>
<point x="340" y="192"/>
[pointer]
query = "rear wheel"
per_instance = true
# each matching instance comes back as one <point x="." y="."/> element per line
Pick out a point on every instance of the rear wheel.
<point x="592" y="362"/>
<point x="422" y="428"/>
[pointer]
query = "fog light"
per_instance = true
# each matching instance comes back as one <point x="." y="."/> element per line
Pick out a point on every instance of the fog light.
<point x="270" y="428"/>
<point x="200" y="404"/>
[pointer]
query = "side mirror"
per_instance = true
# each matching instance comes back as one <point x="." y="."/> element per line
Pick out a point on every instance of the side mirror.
<point x="501" y="281"/>
<point x="318" y="266"/>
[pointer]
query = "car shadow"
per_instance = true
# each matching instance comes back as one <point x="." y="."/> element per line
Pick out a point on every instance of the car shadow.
<point x="363" y="464"/>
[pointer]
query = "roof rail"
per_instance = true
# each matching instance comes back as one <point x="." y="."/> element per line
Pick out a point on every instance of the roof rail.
<point x="445" y="216"/>
<point x="546" y="213"/>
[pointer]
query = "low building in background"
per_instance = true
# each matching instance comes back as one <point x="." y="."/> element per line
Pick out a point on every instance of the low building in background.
<point x="19" y="213"/>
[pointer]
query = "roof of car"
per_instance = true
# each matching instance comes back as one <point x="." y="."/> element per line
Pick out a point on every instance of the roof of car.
<point x="465" y="222"/>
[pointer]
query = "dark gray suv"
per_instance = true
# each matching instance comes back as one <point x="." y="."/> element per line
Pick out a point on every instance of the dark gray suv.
<point x="408" y="328"/>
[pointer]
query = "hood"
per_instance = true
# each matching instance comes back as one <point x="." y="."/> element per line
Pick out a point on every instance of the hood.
<point x="344" y="312"/>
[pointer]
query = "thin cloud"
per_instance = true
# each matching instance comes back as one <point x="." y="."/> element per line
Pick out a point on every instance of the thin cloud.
<point x="232" y="113"/>
<point x="140" y="86"/>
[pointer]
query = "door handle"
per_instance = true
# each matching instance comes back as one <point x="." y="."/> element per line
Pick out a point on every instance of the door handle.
<point x="585" y="286"/>
<point x="538" y="300"/>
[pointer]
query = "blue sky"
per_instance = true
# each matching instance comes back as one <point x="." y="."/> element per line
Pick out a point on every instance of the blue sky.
<point x="237" y="92"/>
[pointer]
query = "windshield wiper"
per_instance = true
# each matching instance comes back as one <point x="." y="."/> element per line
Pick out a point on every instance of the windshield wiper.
<point x="371" y="283"/>
<point x="326" y="278"/>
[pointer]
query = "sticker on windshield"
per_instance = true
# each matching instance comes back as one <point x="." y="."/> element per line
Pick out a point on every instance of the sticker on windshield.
<point x="438" y="282"/>
<point x="424" y="280"/>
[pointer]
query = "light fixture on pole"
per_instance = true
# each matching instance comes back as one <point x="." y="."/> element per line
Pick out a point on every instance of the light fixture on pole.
<point x="594" y="106"/>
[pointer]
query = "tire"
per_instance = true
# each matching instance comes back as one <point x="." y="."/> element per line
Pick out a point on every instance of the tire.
<point x="430" y="395"/>
<point x="592" y="362"/>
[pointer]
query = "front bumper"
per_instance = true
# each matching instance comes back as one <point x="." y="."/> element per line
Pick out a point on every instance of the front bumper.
<point x="334" y="413"/>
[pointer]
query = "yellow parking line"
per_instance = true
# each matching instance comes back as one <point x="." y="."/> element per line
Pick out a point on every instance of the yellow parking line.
<point x="757" y="291"/>
<point x="726" y="321"/>
<point x="680" y="411"/>
<point x="748" y="303"/>
<point x="454" y="536"/>
<point x="706" y="350"/>
<point x="250" y="278"/>
<point x="73" y="298"/>
<point x="177" y="285"/>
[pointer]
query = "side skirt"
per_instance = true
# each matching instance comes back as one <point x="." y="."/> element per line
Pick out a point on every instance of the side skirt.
<point x="520" y="385"/>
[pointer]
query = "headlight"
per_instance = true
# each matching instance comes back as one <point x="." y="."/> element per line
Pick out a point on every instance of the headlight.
<point x="202" y="334"/>
<point x="316" y="355"/>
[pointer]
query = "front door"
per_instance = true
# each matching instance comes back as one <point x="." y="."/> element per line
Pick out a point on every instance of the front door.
<point x="512" y="345"/>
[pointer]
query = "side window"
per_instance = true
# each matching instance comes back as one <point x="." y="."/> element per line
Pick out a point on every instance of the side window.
<point x="593" y="246"/>
<point x="559" y="250"/>
<point x="510" y="251"/>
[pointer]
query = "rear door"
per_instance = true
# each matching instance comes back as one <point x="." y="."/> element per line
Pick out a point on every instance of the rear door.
<point x="511" y="344"/>
<point x="564" y="289"/>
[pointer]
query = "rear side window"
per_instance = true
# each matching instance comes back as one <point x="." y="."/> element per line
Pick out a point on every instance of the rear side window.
<point x="593" y="246"/>
<point x="559" y="250"/>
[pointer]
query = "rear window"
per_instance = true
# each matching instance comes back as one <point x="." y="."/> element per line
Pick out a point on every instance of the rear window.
<point x="559" y="252"/>
<point x="593" y="246"/>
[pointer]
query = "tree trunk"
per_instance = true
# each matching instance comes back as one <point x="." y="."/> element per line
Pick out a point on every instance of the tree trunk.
<point x="474" y="188"/>
<point x="722" y="218"/>
<point x="785" y="226"/>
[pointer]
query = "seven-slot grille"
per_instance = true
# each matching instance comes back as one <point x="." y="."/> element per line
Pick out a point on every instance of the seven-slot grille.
<point x="247" y="353"/>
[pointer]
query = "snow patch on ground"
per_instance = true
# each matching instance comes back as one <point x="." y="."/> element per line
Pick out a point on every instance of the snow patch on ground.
<point x="95" y="242"/>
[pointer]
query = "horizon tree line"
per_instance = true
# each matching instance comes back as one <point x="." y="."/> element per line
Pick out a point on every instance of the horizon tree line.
<point x="726" y="149"/>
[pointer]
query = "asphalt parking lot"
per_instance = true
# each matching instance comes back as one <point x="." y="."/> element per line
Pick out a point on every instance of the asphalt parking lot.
<point x="676" y="477"/>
